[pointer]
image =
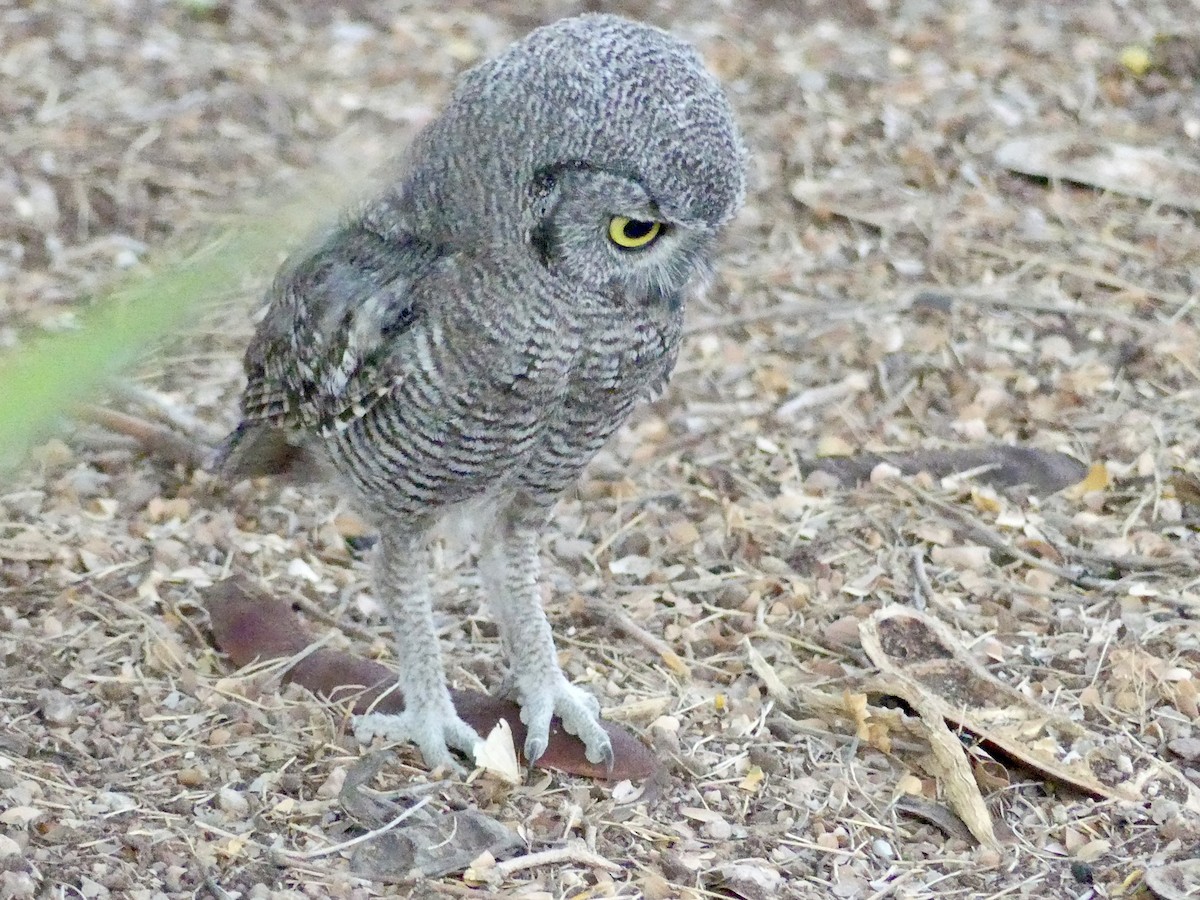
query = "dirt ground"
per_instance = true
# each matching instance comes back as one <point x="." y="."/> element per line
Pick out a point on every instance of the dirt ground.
<point x="970" y="224"/>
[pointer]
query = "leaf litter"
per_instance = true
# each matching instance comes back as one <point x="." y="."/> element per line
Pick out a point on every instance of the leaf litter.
<point x="892" y="296"/>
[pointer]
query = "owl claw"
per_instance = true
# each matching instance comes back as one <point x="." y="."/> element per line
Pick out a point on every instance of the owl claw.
<point x="606" y="758"/>
<point x="434" y="731"/>
<point x="534" y="748"/>
<point x="580" y="715"/>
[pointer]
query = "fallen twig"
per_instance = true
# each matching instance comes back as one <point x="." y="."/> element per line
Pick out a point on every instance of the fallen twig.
<point x="574" y="852"/>
<point x="157" y="440"/>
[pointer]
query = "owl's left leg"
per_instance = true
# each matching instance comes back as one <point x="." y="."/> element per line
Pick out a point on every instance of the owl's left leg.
<point x="509" y="568"/>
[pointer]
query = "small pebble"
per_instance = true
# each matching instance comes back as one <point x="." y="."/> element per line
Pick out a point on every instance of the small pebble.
<point x="190" y="777"/>
<point x="882" y="849"/>
<point x="233" y="803"/>
<point x="987" y="857"/>
<point x="17" y="885"/>
<point x="56" y="707"/>
<point x="718" y="830"/>
<point x="1186" y="748"/>
<point x="655" y="887"/>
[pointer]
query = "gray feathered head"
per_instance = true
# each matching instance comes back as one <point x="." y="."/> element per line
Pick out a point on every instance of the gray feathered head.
<point x="596" y="91"/>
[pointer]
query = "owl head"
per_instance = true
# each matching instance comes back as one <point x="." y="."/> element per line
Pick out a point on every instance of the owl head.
<point x="599" y="147"/>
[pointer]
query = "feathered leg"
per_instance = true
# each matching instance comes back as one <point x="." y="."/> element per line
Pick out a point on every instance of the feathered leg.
<point x="509" y="568"/>
<point x="429" y="719"/>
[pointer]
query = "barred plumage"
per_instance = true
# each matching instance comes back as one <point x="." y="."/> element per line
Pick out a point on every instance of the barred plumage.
<point x="479" y="330"/>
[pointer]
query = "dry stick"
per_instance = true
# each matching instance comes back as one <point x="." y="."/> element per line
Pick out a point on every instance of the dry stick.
<point x="980" y="298"/>
<point x="777" y="312"/>
<point x="158" y="440"/>
<point x="995" y="541"/>
<point x="615" y="616"/>
<point x="611" y="539"/>
<point x="924" y="590"/>
<point x="890" y="888"/>
<point x="318" y="613"/>
<point x="178" y="418"/>
<point x="217" y="891"/>
<point x="574" y="852"/>
<point x="297" y="856"/>
<point x="1029" y="590"/>
<point x="1133" y="562"/>
<point x="462" y="890"/>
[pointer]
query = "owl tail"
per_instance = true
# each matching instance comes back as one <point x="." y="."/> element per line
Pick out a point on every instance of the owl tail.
<point x="257" y="450"/>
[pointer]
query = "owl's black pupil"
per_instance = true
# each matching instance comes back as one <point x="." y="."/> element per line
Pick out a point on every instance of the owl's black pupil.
<point x="636" y="229"/>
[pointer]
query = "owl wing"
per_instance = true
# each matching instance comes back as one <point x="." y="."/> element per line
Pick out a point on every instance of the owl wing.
<point x="327" y="348"/>
<point x="325" y="351"/>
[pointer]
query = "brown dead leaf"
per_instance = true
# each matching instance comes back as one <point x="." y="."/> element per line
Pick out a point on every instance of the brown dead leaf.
<point x="1177" y="881"/>
<point x="251" y="624"/>
<point x="432" y="846"/>
<point x="1001" y="466"/>
<point x="1186" y="487"/>
<point x="936" y="814"/>
<point x="1097" y="479"/>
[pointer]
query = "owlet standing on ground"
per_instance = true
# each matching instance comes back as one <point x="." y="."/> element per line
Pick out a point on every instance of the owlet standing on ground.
<point x="475" y="333"/>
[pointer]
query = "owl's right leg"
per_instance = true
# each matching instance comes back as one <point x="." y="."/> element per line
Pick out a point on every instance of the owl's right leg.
<point x="429" y="719"/>
<point x="509" y="565"/>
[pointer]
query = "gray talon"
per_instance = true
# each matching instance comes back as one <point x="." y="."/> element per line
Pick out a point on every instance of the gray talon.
<point x="606" y="758"/>
<point x="535" y="748"/>
<point x="434" y="732"/>
<point x="600" y="752"/>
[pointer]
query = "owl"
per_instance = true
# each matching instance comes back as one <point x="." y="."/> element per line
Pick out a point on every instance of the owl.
<point x="466" y="340"/>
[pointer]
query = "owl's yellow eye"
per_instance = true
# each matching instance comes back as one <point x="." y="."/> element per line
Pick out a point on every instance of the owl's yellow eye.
<point x="633" y="234"/>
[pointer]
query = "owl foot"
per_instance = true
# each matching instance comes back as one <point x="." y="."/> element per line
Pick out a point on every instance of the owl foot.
<point x="580" y="715"/>
<point x="435" y="730"/>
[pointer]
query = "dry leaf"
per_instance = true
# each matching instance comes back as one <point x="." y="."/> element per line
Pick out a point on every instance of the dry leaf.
<point x="751" y="879"/>
<point x="250" y="624"/>
<point x="676" y="664"/>
<point x="948" y="760"/>
<point x="498" y="755"/>
<point x="753" y="780"/>
<point x="21" y="815"/>
<point x="1146" y="172"/>
<point x="1097" y="479"/>
<point x="1177" y="881"/>
<point x="764" y="670"/>
<point x="936" y="814"/>
<point x="971" y="558"/>
<point x="1001" y="466"/>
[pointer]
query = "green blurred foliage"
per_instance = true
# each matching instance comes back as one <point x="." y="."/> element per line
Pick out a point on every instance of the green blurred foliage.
<point x="43" y="378"/>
